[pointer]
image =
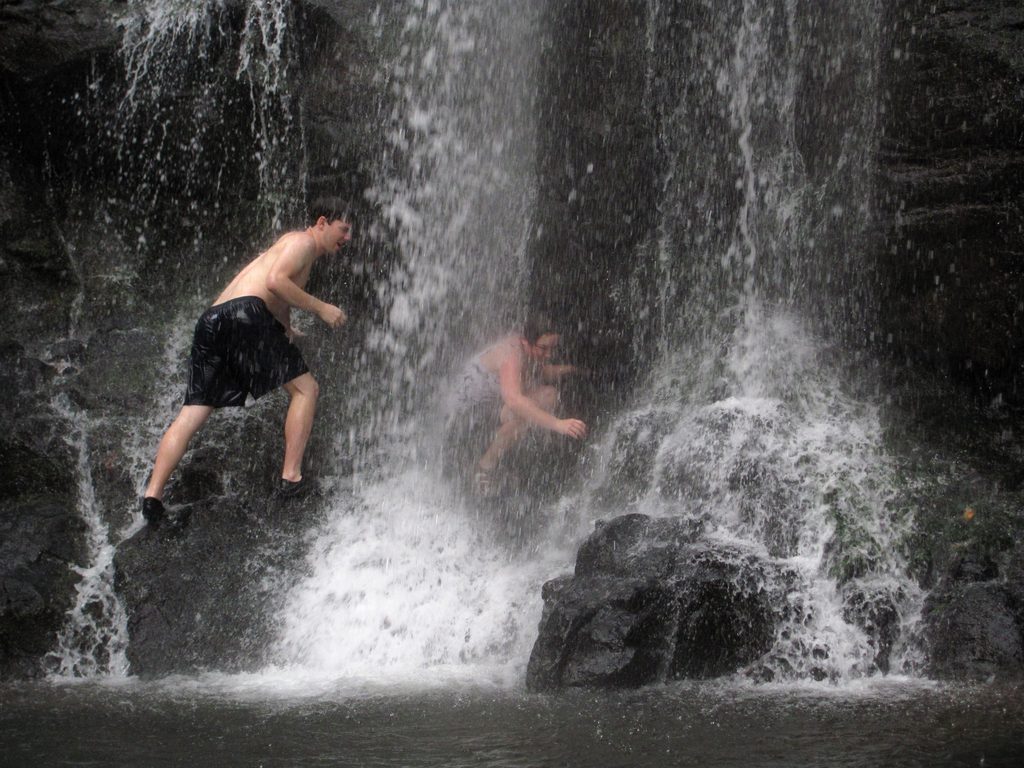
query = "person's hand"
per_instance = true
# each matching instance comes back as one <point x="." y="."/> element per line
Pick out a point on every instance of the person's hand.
<point x="331" y="315"/>
<point x="573" y="428"/>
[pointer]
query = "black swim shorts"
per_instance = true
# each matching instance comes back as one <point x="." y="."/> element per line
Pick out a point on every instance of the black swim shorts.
<point x="239" y="348"/>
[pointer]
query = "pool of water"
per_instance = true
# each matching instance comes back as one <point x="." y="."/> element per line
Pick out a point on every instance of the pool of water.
<point x="259" y="721"/>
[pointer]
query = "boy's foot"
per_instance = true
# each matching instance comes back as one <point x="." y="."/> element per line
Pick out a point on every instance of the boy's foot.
<point x="483" y="484"/>
<point x="287" y="489"/>
<point x="153" y="511"/>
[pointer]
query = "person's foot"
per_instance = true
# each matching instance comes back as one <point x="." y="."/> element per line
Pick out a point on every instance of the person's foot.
<point x="153" y="511"/>
<point x="483" y="483"/>
<point x="290" y="489"/>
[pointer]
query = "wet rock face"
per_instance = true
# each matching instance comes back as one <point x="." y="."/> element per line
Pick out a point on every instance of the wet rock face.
<point x="41" y="539"/>
<point x="974" y="618"/>
<point x="205" y="598"/>
<point x="43" y="35"/>
<point x="951" y="188"/>
<point x="649" y="603"/>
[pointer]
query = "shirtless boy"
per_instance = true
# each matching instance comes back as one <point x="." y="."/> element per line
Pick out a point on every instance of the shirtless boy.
<point x="511" y="385"/>
<point x="243" y="345"/>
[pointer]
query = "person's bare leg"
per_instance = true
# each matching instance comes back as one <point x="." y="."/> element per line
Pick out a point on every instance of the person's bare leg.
<point x="173" y="445"/>
<point x="513" y="428"/>
<point x="298" y="424"/>
<point x="508" y="434"/>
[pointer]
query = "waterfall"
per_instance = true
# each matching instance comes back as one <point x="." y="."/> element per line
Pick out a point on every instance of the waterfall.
<point x="189" y="80"/>
<point x="405" y="576"/>
<point x="95" y="636"/>
<point x="767" y="127"/>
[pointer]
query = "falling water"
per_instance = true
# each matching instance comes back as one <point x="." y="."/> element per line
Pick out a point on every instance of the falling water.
<point x="174" y="51"/>
<point x="456" y="184"/>
<point x="404" y="576"/>
<point x="746" y="423"/>
<point x="94" y="638"/>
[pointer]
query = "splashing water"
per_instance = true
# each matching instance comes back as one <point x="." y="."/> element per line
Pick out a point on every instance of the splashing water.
<point x="746" y="424"/>
<point x="171" y="51"/>
<point x="94" y="638"/>
<point x="777" y="459"/>
<point x="404" y="576"/>
<point x="410" y="580"/>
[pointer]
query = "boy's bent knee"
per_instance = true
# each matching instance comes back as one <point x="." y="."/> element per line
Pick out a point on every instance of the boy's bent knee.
<point x="304" y="385"/>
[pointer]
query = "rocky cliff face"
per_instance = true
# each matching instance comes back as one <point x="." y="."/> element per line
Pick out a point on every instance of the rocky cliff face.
<point x="952" y="190"/>
<point x="949" y="279"/>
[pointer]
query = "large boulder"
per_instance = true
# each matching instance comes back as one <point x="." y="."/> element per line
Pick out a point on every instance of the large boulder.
<point x="650" y="602"/>
<point x="974" y="618"/>
<point x="206" y="597"/>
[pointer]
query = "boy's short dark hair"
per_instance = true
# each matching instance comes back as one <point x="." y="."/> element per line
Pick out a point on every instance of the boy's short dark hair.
<point x="331" y="208"/>
<point x="538" y="324"/>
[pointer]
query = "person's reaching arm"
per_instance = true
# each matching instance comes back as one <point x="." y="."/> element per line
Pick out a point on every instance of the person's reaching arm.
<point x="510" y="379"/>
<point x="296" y="256"/>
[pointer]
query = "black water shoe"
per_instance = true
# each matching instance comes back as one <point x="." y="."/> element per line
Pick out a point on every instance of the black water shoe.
<point x="153" y="511"/>
<point x="286" y="489"/>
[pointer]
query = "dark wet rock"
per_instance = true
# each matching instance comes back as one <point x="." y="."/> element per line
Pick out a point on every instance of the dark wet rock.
<point x="202" y="597"/>
<point x="41" y="36"/>
<point x="118" y="369"/>
<point x="950" y="172"/>
<point x="1012" y="573"/>
<point x="873" y="608"/>
<point x="597" y="179"/>
<point x="41" y="539"/>
<point x="646" y="603"/>
<point x="973" y="632"/>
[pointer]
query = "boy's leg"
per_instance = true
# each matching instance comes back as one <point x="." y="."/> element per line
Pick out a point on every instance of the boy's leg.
<point x="174" y="444"/>
<point x="513" y="428"/>
<point x="298" y="424"/>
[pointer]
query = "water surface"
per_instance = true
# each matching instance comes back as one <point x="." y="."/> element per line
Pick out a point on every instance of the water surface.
<point x="253" y="721"/>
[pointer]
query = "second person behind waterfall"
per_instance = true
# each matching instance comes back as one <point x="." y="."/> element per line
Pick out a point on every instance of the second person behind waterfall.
<point x="504" y="391"/>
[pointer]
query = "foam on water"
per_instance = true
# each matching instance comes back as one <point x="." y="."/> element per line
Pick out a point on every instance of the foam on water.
<point x="411" y="579"/>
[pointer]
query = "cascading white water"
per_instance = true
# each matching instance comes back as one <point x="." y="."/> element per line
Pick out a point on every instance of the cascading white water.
<point x="746" y="423"/>
<point x="404" y="577"/>
<point x="94" y="638"/>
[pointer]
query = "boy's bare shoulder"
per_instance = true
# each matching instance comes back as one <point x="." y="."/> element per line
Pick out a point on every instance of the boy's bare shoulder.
<point x="292" y="245"/>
